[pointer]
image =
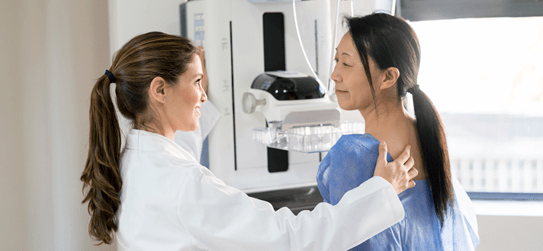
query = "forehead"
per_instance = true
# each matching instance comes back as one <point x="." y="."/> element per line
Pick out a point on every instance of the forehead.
<point x="194" y="67"/>
<point x="347" y="44"/>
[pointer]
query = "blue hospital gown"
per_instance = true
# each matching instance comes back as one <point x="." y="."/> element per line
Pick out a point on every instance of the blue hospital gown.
<point x="352" y="161"/>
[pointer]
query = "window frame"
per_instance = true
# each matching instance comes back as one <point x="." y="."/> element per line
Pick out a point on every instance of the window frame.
<point x="422" y="10"/>
<point x="505" y="196"/>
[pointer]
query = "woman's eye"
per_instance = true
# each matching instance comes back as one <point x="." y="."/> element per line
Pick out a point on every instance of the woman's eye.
<point x="198" y="81"/>
<point x="335" y="59"/>
<point x="346" y="65"/>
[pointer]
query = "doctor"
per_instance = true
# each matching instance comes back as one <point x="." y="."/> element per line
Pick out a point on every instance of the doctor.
<point x="155" y="196"/>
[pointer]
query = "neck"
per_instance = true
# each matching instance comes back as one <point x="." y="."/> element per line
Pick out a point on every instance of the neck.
<point x="156" y="126"/>
<point x="166" y="132"/>
<point x="389" y="122"/>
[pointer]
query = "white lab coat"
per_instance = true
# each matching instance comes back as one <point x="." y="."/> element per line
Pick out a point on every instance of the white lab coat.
<point x="170" y="202"/>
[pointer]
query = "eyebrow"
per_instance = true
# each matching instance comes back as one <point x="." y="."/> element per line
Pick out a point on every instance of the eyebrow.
<point x="344" y="53"/>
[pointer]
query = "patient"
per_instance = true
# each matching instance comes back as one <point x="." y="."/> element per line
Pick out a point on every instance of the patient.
<point x="377" y="64"/>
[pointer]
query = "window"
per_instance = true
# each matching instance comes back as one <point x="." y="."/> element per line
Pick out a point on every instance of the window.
<point x="485" y="77"/>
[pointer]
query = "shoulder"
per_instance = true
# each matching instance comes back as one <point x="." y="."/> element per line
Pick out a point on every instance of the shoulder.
<point x="356" y="143"/>
<point x="156" y="171"/>
<point x="354" y="150"/>
<point x="350" y="162"/>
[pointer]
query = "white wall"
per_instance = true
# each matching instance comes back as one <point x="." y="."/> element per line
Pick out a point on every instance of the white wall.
<point x="52" y="52"/>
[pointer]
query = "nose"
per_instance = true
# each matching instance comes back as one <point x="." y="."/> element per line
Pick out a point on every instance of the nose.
<point x="335" y="75"/>
<point x="203" y="98"/>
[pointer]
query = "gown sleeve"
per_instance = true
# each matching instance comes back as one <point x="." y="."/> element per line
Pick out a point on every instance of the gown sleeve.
<point x="465" y="235"/>
<point x="220" y="217"/>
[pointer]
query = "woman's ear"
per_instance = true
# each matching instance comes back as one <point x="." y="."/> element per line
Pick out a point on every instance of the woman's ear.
<point x="157" y="90"/>
<point x="390" y="77"/>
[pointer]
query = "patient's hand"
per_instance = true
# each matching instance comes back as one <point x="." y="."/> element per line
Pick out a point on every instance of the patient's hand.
<point x="400" y="172"/>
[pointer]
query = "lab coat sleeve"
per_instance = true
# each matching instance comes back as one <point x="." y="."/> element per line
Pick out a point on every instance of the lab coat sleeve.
<point x="220" y="217"/>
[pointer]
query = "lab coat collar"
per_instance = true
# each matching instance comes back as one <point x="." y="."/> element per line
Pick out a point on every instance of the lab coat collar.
<point x="153" y="142"/>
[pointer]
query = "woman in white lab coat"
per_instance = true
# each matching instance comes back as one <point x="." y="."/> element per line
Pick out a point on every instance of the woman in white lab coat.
<point x="155" y="196"/>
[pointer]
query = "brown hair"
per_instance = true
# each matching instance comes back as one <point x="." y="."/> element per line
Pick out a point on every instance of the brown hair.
<point x="391" y="42"/>
<point x="136" y="64"/>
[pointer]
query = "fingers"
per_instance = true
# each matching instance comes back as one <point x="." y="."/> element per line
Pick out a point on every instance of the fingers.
<point x="383" y="152"/>
<point x="405" y="154"/>
<point x="412" y="173"/>
<point x="411" y="184"/>
<point x="410" y="163"/>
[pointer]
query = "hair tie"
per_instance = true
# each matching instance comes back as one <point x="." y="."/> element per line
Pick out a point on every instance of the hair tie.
<point x="110" y="76"/>
<point x="413" y="89"/>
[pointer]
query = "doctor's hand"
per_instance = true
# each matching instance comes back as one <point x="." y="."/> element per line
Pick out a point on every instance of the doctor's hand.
<point x="400" y="172"/>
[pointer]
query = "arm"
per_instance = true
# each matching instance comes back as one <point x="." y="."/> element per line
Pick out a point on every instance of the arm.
<point x="220" y="217"/>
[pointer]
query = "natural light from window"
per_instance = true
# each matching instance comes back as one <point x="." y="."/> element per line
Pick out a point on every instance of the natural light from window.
<point x="485" y="77"/>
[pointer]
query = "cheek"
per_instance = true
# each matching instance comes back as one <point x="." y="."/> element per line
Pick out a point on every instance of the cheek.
<point x="191" y="95"/>
<point x="359" y="92"/>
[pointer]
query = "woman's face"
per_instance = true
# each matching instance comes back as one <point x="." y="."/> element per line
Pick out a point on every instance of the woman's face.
<point x="352" y="86"/>
<point x="184" y="99"/>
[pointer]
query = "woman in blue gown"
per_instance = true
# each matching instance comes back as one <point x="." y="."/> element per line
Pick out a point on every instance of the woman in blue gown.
<point x="377" y="64"/>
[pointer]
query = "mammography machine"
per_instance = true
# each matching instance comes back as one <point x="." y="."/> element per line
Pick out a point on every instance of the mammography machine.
<point x="269" y="67"/>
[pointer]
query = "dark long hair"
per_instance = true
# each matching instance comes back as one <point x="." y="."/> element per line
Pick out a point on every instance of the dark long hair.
<point x="391" y="42"/>
<point x="136" y="64"/>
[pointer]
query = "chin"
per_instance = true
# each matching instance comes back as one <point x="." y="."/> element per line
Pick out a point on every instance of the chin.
<point x="345" y="107"/>
<point x="192" y="128"/>
<point x="195" y="126"/>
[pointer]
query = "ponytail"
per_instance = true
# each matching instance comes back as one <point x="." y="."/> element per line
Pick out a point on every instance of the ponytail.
<point x="433" y="147"/>
<point x="102" y="175"/>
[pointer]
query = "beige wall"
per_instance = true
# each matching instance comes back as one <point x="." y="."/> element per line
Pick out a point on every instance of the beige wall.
<point x="51" y="53"/>
<point x="12" y="222"/>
